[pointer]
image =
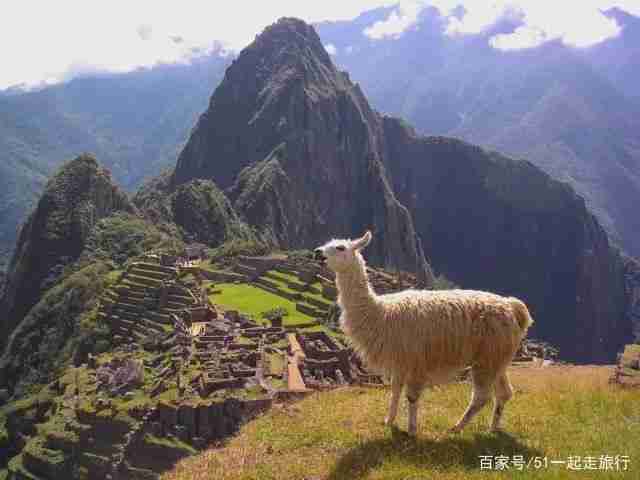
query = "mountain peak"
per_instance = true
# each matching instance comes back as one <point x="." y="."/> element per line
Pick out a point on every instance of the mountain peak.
<point x="289" y="50"/>
<point x="278" y="78"/>
<point x="76" y="197"/>
<point x="298" y="148"/>
<point x="293" y="36"/>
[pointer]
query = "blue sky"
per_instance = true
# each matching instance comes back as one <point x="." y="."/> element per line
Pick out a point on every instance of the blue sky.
<point x="48" y="42"/>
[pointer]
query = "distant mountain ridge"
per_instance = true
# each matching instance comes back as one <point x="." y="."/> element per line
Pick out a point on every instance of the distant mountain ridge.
<point x="135" y="123"/>
<point x="573" y="112"/>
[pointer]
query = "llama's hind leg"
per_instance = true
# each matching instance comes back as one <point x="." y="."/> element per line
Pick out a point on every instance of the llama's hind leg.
<point x="504" y="392"/>
<point x="414" y="390"/>
<point x="396" y="390"/>
<point x="482" y="393"/>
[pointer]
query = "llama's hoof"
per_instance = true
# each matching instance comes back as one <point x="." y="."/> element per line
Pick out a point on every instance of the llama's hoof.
<point x="388" y="422"/>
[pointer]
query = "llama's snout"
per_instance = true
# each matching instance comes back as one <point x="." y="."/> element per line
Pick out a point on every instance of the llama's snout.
<point x="319" y="255"/>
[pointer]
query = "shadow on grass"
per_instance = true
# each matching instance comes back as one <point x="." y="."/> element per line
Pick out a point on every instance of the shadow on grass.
<point x="448" y="451"/>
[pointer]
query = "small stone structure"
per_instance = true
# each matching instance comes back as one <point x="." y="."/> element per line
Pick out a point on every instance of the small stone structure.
<point x="119" y="376"/>
<point x="627" y="371"/>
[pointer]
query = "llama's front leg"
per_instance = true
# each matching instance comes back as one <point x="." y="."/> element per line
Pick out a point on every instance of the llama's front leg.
<point x="396" y="390"/>
<point x="413" y="395"/>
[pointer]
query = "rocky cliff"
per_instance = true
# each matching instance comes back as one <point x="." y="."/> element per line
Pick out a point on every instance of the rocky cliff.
<point x="494" y="223"/>
<point x="297" y="147"/>
<point x="75" y="198"/>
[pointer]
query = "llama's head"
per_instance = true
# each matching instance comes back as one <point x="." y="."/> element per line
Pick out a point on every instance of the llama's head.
<point x="340" y="255"/>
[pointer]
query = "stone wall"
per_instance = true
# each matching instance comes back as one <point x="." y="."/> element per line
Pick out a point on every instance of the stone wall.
<point x="209" y="421"/>
<point x="220" y="276"/>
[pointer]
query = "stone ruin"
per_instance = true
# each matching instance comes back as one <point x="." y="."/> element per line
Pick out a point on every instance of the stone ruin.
<point x="317" y="361"/>
<point x="627" y="370"/>
<point x="120" y="376"/>
<point x="223" y="351"/>
<point x="530" y="350"/>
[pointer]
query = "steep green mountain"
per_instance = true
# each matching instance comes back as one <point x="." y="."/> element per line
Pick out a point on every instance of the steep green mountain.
<point x="197" y="211"/>
<point x="570" y="111"/>
<point x="135" y="123"/>
<point x="80" y="194"/>
<point x="297" y="147"/>
<point x="52" y="240"/>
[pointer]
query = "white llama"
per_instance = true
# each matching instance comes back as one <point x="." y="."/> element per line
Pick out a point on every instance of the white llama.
<point x="422" y="338"/>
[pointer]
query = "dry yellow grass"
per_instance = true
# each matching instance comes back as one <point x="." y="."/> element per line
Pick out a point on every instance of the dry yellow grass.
<point x="557" y="412"/>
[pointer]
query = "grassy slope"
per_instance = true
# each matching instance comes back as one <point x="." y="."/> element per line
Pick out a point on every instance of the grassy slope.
<point x="253" y="301"/>
<point x="557" y="412"/>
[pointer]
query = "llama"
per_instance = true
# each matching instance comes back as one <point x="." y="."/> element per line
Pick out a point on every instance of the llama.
<point x="422" y="338"/>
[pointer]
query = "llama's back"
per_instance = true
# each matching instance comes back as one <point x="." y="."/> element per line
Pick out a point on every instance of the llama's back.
<point x="448" y="329"/>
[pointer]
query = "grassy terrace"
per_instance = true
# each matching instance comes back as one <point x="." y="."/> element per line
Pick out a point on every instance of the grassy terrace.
<point x="557" y="412"/>
<point x="283" y="278"/>
<point x="253" y="301"/>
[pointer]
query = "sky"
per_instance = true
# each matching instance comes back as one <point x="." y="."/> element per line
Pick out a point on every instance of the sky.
<point x="48" y="42"/>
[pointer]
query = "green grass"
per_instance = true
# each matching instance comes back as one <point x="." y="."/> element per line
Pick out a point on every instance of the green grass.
<point x="253" y="301"/>
<point x="557" y="412"/>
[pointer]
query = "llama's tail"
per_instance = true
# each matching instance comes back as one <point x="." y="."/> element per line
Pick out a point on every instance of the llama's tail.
<point x="521" y="313"/>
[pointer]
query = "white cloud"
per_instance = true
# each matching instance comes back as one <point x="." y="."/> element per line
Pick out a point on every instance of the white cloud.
<point x="331" y="49"/>
<point x="577" y="23"/>
<point x="43" y="40"/>
<point x="400" y="19"/>
<point x="522" y="37"/>
<point x="49" y="41"/>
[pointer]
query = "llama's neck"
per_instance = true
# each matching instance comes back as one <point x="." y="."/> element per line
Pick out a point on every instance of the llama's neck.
<point x="355" y="295"/>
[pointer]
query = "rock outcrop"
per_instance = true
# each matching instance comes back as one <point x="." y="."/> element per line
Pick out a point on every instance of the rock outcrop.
<point x="297" y="147"/>
<point x="198" y="208"/>
<point x="632" y="284"/>
<point x="75" y="198"/>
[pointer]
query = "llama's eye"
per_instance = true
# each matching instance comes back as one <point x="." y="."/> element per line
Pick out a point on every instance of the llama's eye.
<point x="340" y="248"/>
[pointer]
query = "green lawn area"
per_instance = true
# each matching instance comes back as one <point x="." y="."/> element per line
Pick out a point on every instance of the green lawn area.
<point x="282" y="283"/>
<point x="253" y="301"/>
<point x="556" y="413"/>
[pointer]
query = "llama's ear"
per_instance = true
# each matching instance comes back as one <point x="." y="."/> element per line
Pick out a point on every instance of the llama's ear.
<point x="362" y="242"/>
